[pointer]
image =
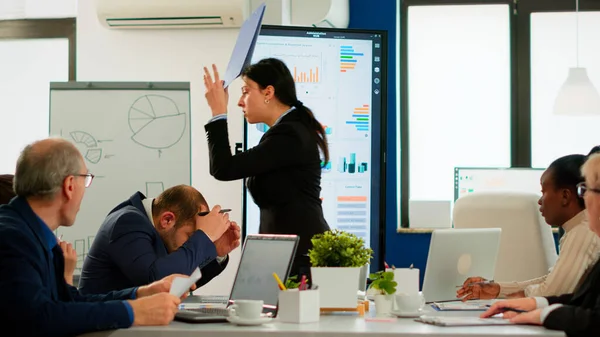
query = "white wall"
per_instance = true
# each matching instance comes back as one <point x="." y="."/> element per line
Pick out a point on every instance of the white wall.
<point x="169" y="55"/>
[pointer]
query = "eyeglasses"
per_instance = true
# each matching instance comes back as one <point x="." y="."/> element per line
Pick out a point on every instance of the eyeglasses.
<point x="582" y="188"/>
<point x="88" y="178"/>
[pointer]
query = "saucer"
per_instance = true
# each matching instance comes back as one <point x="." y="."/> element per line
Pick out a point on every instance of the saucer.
<point x="407" y="314"/>
<point x="248" y="322"/>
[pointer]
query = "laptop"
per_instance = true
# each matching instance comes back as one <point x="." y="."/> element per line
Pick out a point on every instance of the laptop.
<point x="455" y="255"/>
<point x="262" y="255"/>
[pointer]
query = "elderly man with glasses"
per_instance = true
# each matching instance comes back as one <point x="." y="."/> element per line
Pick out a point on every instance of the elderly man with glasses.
<point x="50" y="181"/>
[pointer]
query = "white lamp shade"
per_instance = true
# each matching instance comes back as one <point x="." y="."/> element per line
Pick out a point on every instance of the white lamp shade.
<point x="577" y="96"/>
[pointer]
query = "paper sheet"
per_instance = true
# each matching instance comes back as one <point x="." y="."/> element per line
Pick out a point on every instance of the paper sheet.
<point x="459" y="306"/>
<point x="462" y="321"/>
<point x="244" y="46"/>
<point x="181" y="285"/>
<point x="407" y="279"/>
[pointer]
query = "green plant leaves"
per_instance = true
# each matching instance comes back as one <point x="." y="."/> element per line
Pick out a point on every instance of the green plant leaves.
<point x="384" y="282"/>
<point x="337" y="248"/>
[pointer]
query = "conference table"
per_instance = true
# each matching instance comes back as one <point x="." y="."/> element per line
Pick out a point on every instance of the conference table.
<point x="334" y="325"/>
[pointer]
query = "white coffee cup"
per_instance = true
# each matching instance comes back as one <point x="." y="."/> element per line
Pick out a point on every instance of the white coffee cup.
<point x="409" y="302"/>
<point x="246" y="309"/>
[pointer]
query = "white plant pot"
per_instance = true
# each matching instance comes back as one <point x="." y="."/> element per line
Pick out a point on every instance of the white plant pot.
<point x="338" y="286"/>
<point x="383" y="304"/>
<point x="362" y="280"/>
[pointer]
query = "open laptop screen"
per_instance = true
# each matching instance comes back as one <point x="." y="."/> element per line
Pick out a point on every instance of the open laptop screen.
<point x="262" y="256"/>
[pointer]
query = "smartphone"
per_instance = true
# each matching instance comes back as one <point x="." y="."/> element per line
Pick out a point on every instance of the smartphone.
<point x="223" y="210"/>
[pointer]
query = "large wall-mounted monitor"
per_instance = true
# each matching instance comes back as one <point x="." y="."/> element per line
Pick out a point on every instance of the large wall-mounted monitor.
<point x="341" y="76"/>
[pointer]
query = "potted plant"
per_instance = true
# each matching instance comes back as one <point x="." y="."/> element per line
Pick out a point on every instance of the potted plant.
<point x="336" y="259"/>
<point x="383" y="285"/>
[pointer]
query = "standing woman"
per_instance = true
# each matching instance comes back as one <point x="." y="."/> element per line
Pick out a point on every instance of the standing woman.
<point x="284" y="169"/>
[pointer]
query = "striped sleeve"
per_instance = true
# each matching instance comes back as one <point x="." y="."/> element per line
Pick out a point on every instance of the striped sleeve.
<point x="578" y="253"/>
<point x="507" y="288"/>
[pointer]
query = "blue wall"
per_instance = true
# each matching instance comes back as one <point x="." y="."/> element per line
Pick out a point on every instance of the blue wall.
<point x="404" y="249"/>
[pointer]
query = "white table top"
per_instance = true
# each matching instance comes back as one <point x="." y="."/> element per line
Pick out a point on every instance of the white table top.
<point x="332" y="325"/>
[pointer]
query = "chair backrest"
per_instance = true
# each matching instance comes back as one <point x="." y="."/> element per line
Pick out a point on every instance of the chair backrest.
<point x="527" y="248"/>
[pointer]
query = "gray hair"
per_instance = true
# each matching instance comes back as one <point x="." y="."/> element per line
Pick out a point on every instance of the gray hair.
<point x="42" y="167"/>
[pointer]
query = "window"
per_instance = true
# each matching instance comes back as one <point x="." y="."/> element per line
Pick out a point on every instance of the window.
<point x="463" y="60"/>
<point x="459" y="94"/>
<point x="24" y="89"/>
<point x="554" y="50"/>
<point x="21" y="9"/>
<point x="26" y="77"/>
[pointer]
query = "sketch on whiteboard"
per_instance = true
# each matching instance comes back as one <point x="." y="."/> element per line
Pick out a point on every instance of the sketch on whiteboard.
<point x="82" y="248"/>
<point x="88" y="145"/>
<point x="150" y="116"/>
<point x="154" y="188"/>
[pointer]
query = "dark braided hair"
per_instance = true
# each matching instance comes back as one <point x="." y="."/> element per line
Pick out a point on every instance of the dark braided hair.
<point x="273" y="72"/>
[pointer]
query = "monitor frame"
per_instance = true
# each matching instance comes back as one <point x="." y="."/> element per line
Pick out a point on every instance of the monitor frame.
<point x="458" y="168"/>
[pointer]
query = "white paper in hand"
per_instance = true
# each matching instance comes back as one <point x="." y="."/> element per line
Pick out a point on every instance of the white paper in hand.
<point x="181" y="285"/>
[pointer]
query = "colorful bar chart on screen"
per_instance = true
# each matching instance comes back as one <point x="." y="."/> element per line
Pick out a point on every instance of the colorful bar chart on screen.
<point x="350" y="165"/>
<point x="310" y="76"/>
<point x="348" y="58"/>
<point x="352" y="215"/>
<point x="360" y="118"/>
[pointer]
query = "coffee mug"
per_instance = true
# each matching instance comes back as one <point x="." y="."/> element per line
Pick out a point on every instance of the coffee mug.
<point x="412" y="302"/>
<point x="246" y="309"/>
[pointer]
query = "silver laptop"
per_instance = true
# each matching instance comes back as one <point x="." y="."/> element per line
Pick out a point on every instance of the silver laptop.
<point x="455" y="255"/>
<point x="262" y="255"/>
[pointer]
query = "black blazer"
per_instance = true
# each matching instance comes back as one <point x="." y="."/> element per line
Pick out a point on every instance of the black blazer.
<point x="284" y="177"/>
<point x="129" y="252"/>
<point x="580" y="315"/>
<point x="35" y="298"/>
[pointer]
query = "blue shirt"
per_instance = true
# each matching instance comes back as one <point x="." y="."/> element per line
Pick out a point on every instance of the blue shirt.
<point x="224" y="116"/>
<point x="52" y="241"/>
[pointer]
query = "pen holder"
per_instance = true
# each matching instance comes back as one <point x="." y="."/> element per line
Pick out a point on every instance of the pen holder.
<point x="299" y="306"/>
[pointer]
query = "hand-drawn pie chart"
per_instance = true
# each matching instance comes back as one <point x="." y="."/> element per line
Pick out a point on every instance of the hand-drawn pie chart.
<point x="156" y="122"/>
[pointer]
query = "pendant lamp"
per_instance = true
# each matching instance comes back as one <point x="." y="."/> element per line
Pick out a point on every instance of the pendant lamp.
<point x="577" y="96"/>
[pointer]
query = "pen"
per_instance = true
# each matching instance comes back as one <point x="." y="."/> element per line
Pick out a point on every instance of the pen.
<point x="302" y="283"/>
<point x="281" y="286"/>
<point x="224" y="210"/>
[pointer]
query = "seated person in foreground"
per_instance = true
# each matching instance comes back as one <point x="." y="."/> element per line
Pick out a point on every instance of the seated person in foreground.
<point x="6" y="188"/>
<point x="143" y="240"/>
<point x="50" y="182"/>
<point x="579" y="247"/>
<point x="577" y="314"/>
<point x="7" y="192"/>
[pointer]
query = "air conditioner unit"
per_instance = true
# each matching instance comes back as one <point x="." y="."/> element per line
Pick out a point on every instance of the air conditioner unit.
<point x="172" y="13"/>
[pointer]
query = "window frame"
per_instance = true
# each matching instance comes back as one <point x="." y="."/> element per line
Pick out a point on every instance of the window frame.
<point x="403" y="115"/>
<point x="21" y="29"/>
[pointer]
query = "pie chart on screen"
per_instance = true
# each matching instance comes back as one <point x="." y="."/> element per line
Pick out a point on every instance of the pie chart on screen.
<point x="156" y="122"/>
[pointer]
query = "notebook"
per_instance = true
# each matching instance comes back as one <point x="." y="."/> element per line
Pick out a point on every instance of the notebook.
<point x="461" y="306"/>
<point x="462" y="321"/>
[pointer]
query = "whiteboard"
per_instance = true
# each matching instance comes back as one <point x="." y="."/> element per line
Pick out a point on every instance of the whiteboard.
<point x="132" y="136"/>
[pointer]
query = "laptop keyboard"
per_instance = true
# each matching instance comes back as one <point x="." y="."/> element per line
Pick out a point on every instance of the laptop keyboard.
<point x="211" y="299"/>
<point x="210" y="311"/>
